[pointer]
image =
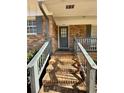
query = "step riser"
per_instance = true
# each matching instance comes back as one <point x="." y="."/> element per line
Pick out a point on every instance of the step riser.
<point x="63" y="71"/>
<point x="64" y="62"/>
<point x="63" y="90"/>
<point x="59" y="82"/>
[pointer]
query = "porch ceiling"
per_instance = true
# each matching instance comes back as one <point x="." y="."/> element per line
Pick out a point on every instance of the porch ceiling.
<point x="34" y="10"/>
<point x="81" y="7"/>
<point x="84" y="11"/>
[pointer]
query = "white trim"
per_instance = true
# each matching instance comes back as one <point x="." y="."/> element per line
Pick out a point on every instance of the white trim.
<point x="42" y="68"/>
<point x="31" y="33"/>
<point x="68" y="36"/>
<point x="87" y="56"/>
<point x="32" y="26"/>
<point x="58" y="38"/>
<point x="37" y="56"/>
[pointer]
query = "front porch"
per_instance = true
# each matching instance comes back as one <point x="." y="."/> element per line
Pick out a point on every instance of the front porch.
<point x="70" y="71"/>
<point x="67" y="51"/>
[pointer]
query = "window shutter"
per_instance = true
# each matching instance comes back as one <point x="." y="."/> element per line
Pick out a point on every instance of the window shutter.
<point x="47" y="28"/>
<point x="39" y="24"/>
<point x="88" y="29"/>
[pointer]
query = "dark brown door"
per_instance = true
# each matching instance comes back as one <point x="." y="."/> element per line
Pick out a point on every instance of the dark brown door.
<point x="63" y="37"/>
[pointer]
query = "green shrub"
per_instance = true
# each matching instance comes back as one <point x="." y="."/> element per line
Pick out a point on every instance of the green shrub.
<point x="31" y="54"/>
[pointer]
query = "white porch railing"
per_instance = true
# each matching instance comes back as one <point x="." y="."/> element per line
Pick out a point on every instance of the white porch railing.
<point x="36" y="66"/>
<point x="90" y="44"/>
<point x="88" y="67"/>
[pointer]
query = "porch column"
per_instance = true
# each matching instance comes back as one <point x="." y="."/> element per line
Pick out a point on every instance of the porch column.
<point x="44" y="26"/>
<point x="53" y="33"/>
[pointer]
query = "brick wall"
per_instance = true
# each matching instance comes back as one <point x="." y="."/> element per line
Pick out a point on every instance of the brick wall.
<point x="73" y="31"/>
<point x="36" y="41"/>
<point x="93" y="55"/>
<point x="76" y="31"/>
<point x="94" y="31"/>
<point x="53" y="33"/>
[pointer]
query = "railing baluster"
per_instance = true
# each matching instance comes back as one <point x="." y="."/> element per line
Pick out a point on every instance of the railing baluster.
<point x="87" y="65"/>
<point x="88" y="43"/>
<point x="92" y="87"/>
<point x="37" y="65"/>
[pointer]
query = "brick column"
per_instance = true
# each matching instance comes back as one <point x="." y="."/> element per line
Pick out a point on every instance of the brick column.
<point x="43" y="25"/>
<point x="53" y="33"/>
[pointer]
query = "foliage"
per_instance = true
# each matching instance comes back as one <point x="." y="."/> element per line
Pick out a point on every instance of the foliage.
<point x="31" y="53"/>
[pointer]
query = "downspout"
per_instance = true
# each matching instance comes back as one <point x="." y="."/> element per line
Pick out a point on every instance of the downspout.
<point x="40" y="2"/>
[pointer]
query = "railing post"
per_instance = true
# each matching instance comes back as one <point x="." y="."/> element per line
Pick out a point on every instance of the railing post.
<point x="92" y="84"/>
<point x="34" y="80"/>
<point x="36" y="66"/>
<point x="90" y="80"/>
<point x="50" y="46"/>
<point x="89" y="68"/>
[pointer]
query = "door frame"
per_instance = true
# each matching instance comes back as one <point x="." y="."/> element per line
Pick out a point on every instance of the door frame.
<point x="59" y="37"/>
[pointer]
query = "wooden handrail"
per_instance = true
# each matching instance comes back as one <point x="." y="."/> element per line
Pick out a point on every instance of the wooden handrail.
<point x="87" y="66"/>
<point x="37" y="65"/>
<point x="90" y="44"/>
<point x="87" y="56"/>
<point x="36" y="57"/>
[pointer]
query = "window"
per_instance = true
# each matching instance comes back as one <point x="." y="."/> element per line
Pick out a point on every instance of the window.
<point x="31" y="27"/>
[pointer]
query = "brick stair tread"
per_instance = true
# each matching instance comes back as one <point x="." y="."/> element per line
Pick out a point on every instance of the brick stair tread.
<point x="60" y="78"/>
<point x="63" y="53"/>
<point x="62" y="60"/>
<point x="62" y="56"/>
<point x="63" y="89"/>
<point x="60" y="67"/>
<point x="50" y="91"/>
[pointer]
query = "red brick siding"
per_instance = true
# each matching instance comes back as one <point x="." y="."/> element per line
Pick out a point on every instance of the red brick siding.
<point x="35" y="41"/>
<point x="76" y="31"/>
<point x="53" y="33"/>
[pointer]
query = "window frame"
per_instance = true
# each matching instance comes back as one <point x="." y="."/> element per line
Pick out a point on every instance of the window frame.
<point x="31" y="27"/>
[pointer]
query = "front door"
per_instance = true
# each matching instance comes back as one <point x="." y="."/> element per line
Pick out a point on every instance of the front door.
<point x="63" y="37"/>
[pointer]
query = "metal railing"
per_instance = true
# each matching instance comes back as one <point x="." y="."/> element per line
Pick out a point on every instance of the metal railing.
<point x="88" y="67"/>
<point x="36" y="66"/>
<point x="90" y="44"/>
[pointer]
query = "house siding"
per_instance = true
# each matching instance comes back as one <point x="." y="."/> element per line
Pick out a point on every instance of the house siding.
<point x="76" y="31"/>
<point x="53" y="33"/>
<point x="83" y="31"/>
<point x="36" y="41"/>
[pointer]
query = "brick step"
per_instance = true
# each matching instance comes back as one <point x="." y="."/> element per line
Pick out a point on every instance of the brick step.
<point x="63" y="53"/>
<point x="53" y="78"/>
<point x="62" y="56"/>
<point x="62" y="68"/>
<point x="63" y="89"/>
<point x="62" y="75"/>
<point x="62" y="61"/>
